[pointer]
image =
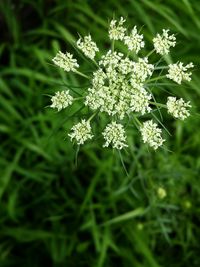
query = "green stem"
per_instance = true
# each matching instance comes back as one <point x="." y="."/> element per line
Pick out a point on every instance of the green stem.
<point x="151" y="52"/>
<point x="113" y="45"/>
<point x="138" y="122"/>
<point x="93" y="115"/>
<point x="158" y="104"/>
<point x="82" y="74"/>
<point x="157" y="78"/>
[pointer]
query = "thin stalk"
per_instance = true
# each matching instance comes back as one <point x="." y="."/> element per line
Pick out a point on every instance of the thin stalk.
<point x="113" y="45"/>
<point x="150" y="53"/>
<point x="157" y="78"/>
<point x="82" y="74"/>
<point x="158" y="104"/>
<point x="93" y="115"/>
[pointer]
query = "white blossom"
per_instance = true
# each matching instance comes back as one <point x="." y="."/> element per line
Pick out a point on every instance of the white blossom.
<point x="178" y="72"/>
<point x="116" y="29"/>
<point x="81" y="132"/>
<point x="61" y="100"/>
<point x="163" y="42"/>
<point x="65" y="61"/>
<point x="178" y="107"/>
<point x="140" y="101"/>
<point x="110" y="59"/>
<point x="134" y="41"/>
<point x="151" y="134"/>
<point x="114" y="135"/>
<point x="125" y="66"/>
<point x="142" y="69"/>
<point x="87" y="46"/>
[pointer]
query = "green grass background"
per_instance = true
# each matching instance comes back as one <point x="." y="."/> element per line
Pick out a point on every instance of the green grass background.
<point x="53" y="213"/>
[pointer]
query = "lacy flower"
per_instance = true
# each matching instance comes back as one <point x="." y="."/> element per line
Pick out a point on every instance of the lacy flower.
<point x="116" y="29"/>
<point x="61" y="100"/>
<point x="81" y="132"/>
<point x="65" y="61"/>
<point x="87" y="46"/>
<point x="162" y="43"/>
<point x="114" y="134"/>
<point x="178" y="72"/>
<point x="178" y="107"/>
<point x="121" y="85"/>
<point x="134" y="41"/>
<point x="151" y="134"/>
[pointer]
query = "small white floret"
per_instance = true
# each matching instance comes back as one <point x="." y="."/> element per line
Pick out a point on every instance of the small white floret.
<point x="114" y="135"/>
<point x="178" y="72"/>
<point x="178" y="107"/>
<point x="87" y="46"/>
<point x="65" y="61"/>
<point x="163" y="42"/>
<point x="81" y="132"/>
<point x="116" y="29"/>
<point x="134" y="41"/>
<point x="61" y="100"/>
<point x="151" y="134"/>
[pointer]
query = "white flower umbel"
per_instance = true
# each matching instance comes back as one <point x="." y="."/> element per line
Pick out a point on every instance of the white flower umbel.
<point x="140" y="101"/>
<point x="87" y="46"/>
<point x="163" y="42"/>
<point x="178" y="72"/>
<point x="114" y="135"/>
<point x="125" y="66"/>
<point x="65" y="61"/>
<point x="61" y="100"/>
<point x="81" y="132"/>
<point x="151" y="134"/>
<point x="178" y="107"/>
<point x="116" y="29"/>
<point x="142" y="69"/>
<point x="110" y="59"/>
<point x="134" y="41"/>
<point x="122" y="85"/>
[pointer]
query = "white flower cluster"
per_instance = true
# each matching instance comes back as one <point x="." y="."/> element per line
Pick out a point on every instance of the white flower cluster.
<point x="122" y="86"/>
<point x="134" y="41"/>
<point x="61" y="100"/>
<point x="151" y="134"/>
<point x="162" y="43"/>
<point x="87" y="46"/>
<point x="114" y="134"/>
<point x="65" y="61"/>
<point x="117" y="30"/>
<point x="81" y="132"/>
<point x="178" y="107"/>
<point x="178" y="72"/>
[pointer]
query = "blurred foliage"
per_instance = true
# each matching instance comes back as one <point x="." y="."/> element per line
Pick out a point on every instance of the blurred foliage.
<point x="53" y="213"/>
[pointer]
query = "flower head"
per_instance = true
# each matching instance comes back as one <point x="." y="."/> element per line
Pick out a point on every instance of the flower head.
<point x="134" y="41"/>
<point x="151" y="134"/>
<point x="122" y="85"/>
<point x="87" y="46"/>
<point x="178" y="107"/>
<point x="163" y="42"/>
<point x="142" y="69"/>
<point x="110" y="59"/>
<point x="116" y="29"/>
<point x="114" y="134"/>
<point x="178" y="72"/>
<point x="61" y="100"/>
<point x="65" y="61"/>
<point x="81" y="132"/>
<point x="140" y="101"/>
